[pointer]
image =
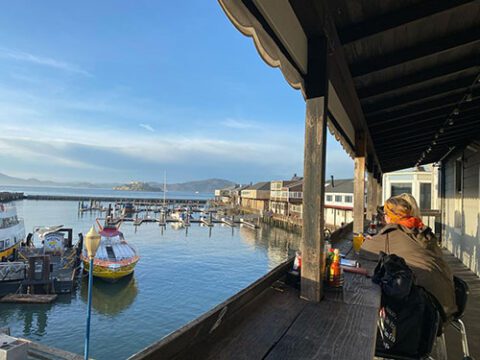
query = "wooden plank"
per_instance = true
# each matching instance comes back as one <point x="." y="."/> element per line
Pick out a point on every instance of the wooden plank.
<point x="371" y="105"/>
<point x="415" y="51"/>
<point x="395" y="19"/>
<point x="359" y="185"/>
<point x="330" y="330"/>
<point x="37" y="351"/>
<point x="420" y="77"/>
<point x="316" y="19"/>
<point x="178" y="343"/>
<point x="472" y="312"/>
<point x="252" y="337"/>
<point x="429" y="108"/>
<point x="313" y="200"/>
<point x="28" y="298"/>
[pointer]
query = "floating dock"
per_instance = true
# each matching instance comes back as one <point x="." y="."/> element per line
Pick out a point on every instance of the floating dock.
<point x="29" y="298"/>
<point x="140" y="201"/>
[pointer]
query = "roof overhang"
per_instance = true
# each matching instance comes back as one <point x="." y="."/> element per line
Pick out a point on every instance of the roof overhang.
<point x="405" y="74"/>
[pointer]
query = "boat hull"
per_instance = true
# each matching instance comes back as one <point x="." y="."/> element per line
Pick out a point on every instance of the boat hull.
<point x="6" y="253"/>
<point x="108" y="272"/>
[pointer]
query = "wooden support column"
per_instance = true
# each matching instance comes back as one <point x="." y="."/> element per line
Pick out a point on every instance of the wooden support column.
<point x="371" y="195"/>
<point x="359" y="184"/>
<point x="314" y="171"/>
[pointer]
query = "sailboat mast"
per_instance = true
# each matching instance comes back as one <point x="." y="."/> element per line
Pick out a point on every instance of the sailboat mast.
<point x="164" y="186"/>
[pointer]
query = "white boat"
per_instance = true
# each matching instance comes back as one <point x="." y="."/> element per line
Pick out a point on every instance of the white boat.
<point x="12" y="231"/>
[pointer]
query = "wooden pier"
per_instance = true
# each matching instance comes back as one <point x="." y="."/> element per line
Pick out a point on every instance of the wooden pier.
<point x="121" y="200"/>
<point x="29" y="298"/>
<point x="11" y="196"/>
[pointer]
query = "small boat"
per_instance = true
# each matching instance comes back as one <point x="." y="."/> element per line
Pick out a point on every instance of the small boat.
<point x="12" y="231"/>
<point x="115" y="258"/>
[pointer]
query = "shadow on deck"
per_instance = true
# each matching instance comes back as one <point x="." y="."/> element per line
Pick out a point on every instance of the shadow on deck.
<point x="472" y="312"/>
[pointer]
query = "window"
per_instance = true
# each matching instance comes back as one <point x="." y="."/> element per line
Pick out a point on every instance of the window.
<point x="348" y="199"/>
<point x="338" y="198"/>
<point x="398" y="189"/>
<point x="425" y="196"/>
<point x="458" y="175"/>
<point x="329" y="197"/>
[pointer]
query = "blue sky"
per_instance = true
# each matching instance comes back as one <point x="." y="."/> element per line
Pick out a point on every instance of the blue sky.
<point x="124" y="90"/>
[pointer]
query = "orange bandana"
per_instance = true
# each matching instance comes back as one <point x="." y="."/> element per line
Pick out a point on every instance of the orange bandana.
<point x="399" y="215"/>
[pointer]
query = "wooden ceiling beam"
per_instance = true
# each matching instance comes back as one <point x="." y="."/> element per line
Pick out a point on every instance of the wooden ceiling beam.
<point x="412" y="97"/>
<point x="424" y="107"/>
<point x="424" y="122"/>
<point x="417" y="134"/>
<point x="468" y="63"/>
<point x="420" y="50"/>
<point x="395" y="19"/>
<point x="316" y="19"/>
<point x="405" y="149"/>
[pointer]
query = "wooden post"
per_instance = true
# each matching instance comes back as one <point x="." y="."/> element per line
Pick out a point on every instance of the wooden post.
<point x="314" y="171"/>
<point x="359" y="184"/>
<point x="371" y="195"/>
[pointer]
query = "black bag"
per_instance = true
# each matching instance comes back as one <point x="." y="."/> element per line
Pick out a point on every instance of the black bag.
<point x="408" y="320"/>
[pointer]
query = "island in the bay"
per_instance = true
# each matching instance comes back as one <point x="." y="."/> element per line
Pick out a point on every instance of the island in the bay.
<point x="137" y="186"/>
<point x="203" y="186"/>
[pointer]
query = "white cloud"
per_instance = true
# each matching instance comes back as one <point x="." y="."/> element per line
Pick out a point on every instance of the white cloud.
<point x="41" y="60"/>
<point x="147" y="127"/>
<point x="238" y="124"/>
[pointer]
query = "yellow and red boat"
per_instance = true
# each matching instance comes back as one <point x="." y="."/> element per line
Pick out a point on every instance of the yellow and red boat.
<point x="114" y="259"/>
<point x="12" y="231"/>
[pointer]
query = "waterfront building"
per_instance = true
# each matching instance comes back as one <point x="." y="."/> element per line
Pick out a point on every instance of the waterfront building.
<point x="225" y="195"/>
<point x="421" y="182"/>
<point x="338" y="202"/>
<point x="286" y="197"/>
<point x="460" y="204"/>
<point x="256" y="197"/>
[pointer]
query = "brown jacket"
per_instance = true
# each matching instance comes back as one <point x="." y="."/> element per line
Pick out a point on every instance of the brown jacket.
<point x="420" y="250"/>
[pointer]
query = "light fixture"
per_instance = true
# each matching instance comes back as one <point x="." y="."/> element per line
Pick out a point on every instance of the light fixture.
<point x="441" y="130"/>
<point x="434" y="142"/>
<point x="456" y="111"/>
<point x="450" y="122"/>
<point x="468" y="98"/>
<point x="436" y="136"/>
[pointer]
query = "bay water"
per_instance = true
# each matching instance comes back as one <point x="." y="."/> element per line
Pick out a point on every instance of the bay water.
<point x="182" y="273"/>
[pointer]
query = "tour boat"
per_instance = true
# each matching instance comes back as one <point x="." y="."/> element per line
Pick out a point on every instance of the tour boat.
<point x="115" y="258"/>
<point x="12" y="231"/>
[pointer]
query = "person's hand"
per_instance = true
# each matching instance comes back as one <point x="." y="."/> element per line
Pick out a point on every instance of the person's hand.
<point x="368" y="237"/>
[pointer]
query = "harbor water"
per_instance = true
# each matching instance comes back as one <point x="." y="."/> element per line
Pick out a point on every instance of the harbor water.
<point x="182" y="273"/>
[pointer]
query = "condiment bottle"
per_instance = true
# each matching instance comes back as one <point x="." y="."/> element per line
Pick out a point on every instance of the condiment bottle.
<point x="335" y="277"/>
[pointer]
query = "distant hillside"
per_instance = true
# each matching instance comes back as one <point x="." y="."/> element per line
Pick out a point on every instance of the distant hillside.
<point x="205" y="186"/>
<point x="11" y="180"/>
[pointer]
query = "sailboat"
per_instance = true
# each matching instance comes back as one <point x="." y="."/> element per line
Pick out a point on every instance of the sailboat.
<point x="115" y="258"/>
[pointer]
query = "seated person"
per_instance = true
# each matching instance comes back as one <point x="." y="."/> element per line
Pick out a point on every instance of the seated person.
<point x="406" y="236"/>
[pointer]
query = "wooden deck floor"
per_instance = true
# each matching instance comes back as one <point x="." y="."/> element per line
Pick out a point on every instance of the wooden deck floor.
<point x="282" y="326"/>
<point x="472" y="312"/>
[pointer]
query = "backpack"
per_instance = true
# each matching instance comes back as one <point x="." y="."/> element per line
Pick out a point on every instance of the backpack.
<point x="408" y="318"/>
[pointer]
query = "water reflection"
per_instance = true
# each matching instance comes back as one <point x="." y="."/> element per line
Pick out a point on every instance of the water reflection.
<point x="279" y="244"/>
<point x="111" y="298"/>
<point x="35" y="321"/>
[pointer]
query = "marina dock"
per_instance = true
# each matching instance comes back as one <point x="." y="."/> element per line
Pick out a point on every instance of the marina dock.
<point x="122" y="200"/>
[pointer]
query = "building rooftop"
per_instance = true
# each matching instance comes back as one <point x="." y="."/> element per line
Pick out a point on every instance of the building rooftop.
<point x="340" y="186"/>
<point x="263" y="185"/>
